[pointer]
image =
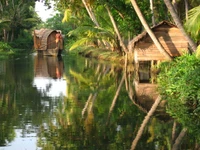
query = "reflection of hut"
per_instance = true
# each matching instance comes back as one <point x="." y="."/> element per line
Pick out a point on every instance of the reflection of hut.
<point x="145" y="91"/>
<point x="169" y="36"/>
<point x="45" y="42"/>
<point x="48" y="67"/>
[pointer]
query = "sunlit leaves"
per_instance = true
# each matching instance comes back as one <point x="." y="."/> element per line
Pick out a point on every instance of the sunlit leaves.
<point x="67" y="15"/>
<point x="193" y="23"/>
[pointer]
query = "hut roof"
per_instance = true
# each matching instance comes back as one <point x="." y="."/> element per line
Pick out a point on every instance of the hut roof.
<point x="144" y="33"/>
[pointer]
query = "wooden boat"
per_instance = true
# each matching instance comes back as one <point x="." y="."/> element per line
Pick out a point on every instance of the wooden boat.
<point x="45" y="42"/>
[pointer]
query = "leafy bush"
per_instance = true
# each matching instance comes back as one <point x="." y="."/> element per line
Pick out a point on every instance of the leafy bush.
<point x="5" y="47"/>
<point x="179" y="84"/>
<point x="24" y="41"/>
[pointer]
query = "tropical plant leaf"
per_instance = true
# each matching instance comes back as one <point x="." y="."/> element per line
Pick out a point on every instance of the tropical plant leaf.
<point x="67" y="15"/>
<point x="193" y="23"/>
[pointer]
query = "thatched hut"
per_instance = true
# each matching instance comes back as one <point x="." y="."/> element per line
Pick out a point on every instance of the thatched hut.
<point x="169" y="36"/>
<point x="45" y="42"/>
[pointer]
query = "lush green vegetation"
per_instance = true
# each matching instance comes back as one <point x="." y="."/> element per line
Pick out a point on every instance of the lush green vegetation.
<point x="88" y="23"/>
<point x="17" y="18"/>
<point x="179" y="86"/>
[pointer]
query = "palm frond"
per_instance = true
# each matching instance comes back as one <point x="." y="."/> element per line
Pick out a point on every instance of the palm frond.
<point x="67" y="15"/>
<point x="80" y="42"/>
<point x="193" y="23"/>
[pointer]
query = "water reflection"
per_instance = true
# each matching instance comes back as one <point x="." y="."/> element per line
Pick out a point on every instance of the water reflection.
<point x="49" y="77"/>
<point x="146" y="88"/>
<point x="100" y="108"/>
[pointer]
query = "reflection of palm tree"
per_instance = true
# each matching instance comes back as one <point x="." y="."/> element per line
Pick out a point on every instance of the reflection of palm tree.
<point x="7" y="108"/>
<point x="144" y="123"/>
<point x="115" y="97"/>
<point x="179" y="139"/>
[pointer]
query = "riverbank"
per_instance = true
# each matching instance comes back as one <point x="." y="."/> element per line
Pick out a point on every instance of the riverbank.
<point x="103" y="54"/>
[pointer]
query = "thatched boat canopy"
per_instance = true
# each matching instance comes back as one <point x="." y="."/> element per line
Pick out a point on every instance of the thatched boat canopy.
<point x="45" y="39"/>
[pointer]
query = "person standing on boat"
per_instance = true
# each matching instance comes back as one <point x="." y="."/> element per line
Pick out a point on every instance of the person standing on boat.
<point x="58" y="39"/>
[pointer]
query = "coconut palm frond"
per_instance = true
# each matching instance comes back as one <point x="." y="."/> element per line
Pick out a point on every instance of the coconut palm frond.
<point x="193" y="23"/>
<point x="80" y="42"/>
<point x="4" y="23"/>
<point x="67" y="15"/>
<point x="80" y="31"/>
<point x="89" y="31"/>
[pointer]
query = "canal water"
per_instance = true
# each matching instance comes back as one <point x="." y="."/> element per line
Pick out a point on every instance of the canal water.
<point x="74" y="103"/>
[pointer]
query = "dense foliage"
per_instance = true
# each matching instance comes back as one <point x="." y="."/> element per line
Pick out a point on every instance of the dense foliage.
<point x="17" y="18"/>
<point x="179" y="86"/>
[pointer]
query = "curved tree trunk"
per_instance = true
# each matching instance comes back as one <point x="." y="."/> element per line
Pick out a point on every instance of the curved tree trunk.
<point x="116" y="30"/>
<point x="145" y="121"/>
<point x="90" y="12"/>
<point x="179" y="24"/>
<point x="149" y="31"/>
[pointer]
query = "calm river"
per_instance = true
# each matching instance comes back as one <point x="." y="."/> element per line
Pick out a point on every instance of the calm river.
<point x="73" y="103"/>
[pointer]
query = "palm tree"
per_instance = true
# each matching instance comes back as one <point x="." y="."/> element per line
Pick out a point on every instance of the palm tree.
<point x="116" y="29"/>
<point x="179" y="24"/>
<point x="149" y="31"/>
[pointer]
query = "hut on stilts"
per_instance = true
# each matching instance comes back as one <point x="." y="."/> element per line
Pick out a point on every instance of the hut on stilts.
<point x="146" y="55"/>
<point x="168" y="35"/>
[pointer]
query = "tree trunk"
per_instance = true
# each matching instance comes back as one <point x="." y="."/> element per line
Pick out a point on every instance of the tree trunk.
<point x="93" y="18"/>
<point x="4" y="35"/>
<point x="179" y="139"/>
<point x="173" y="132"/>
<point x="12" y="35"/>
<point x="186" y="9"/>
<point x="174" y="3"/>
<point x="90" y="12"/>
<point x="151" y="34"/>
<point x="116" y="30"/>
<point x="152" y="12"/>
<point x="179" y="24"/>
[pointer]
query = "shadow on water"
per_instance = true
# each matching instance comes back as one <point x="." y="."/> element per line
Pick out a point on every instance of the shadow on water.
<point x="73" y="103"/>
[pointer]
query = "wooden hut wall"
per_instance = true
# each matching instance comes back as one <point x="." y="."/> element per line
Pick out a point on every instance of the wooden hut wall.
<point x="171" y="39"/>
